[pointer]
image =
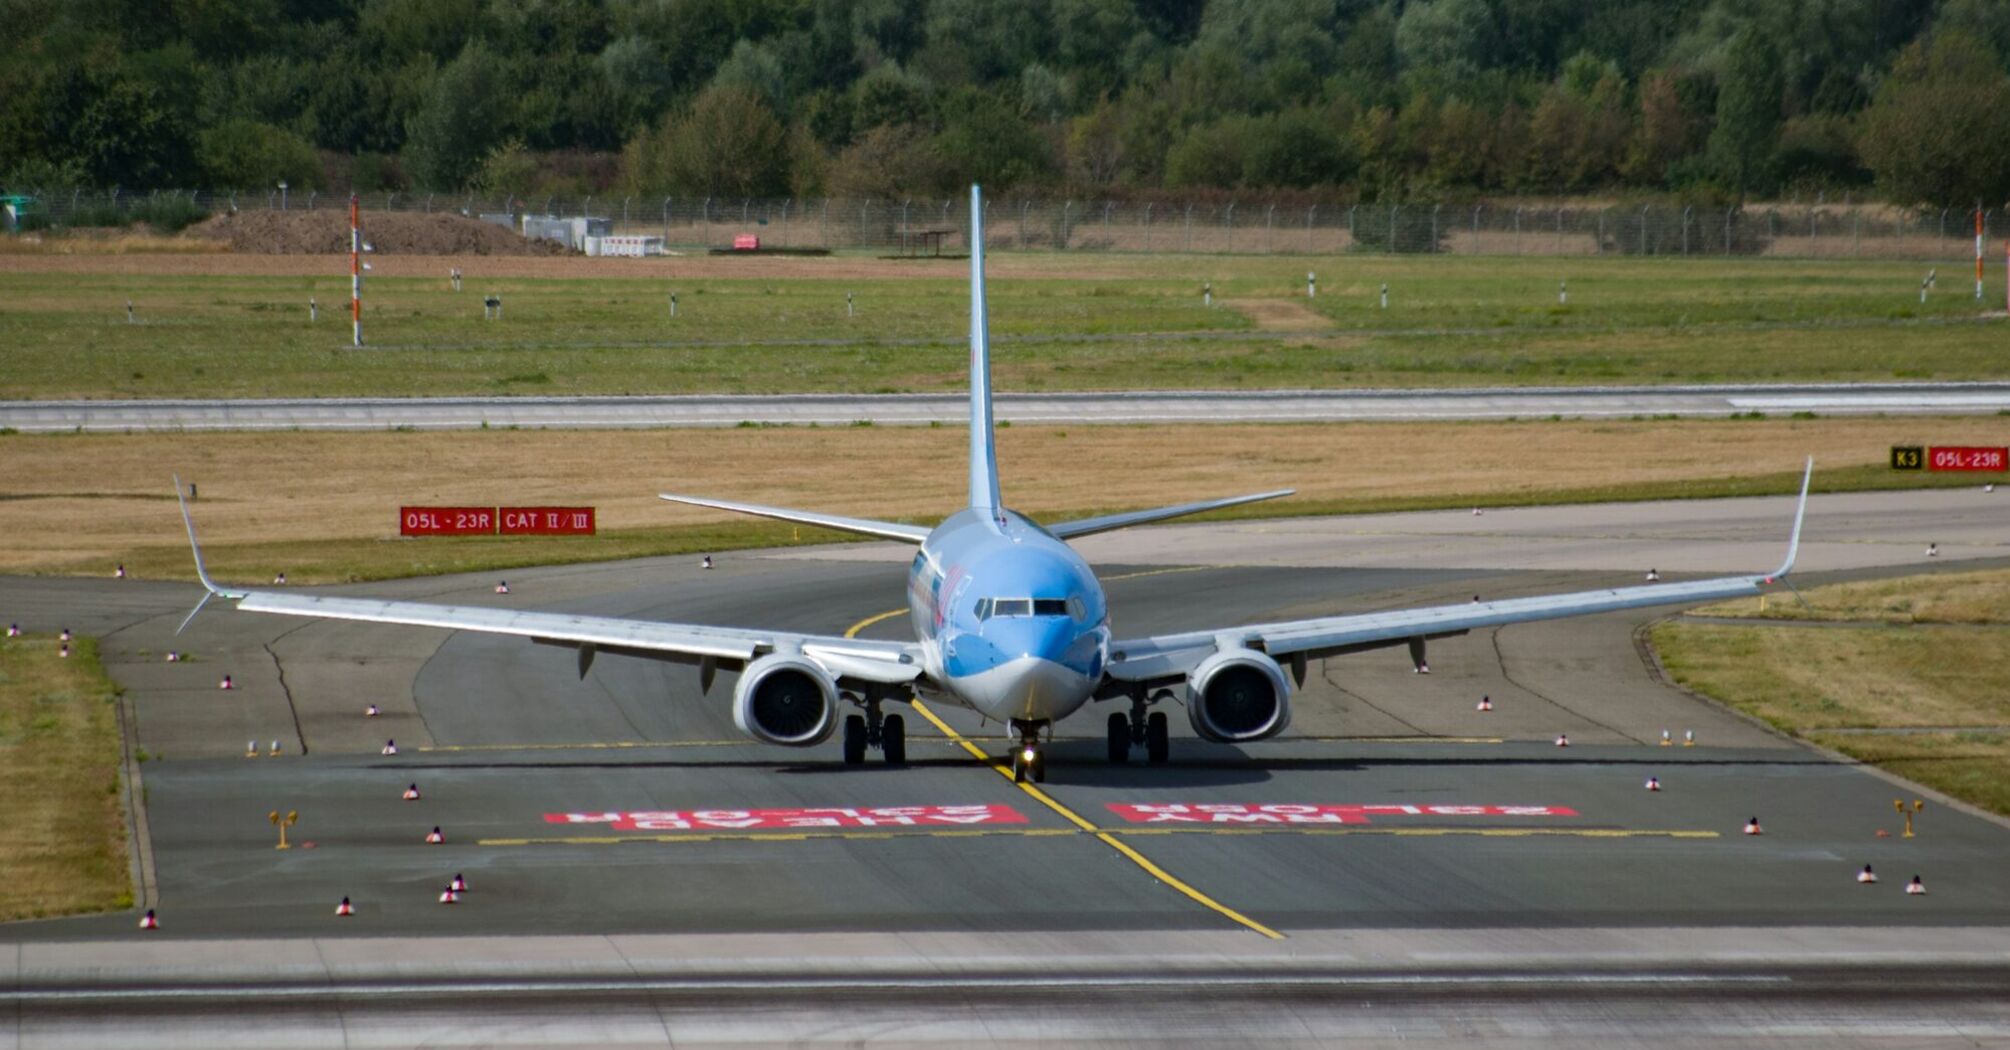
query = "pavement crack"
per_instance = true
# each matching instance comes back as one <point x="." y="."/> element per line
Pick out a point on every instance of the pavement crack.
<point x="1500" y="660"/>
<point x="279" y="667"/>
<point x="1326" y="675"/>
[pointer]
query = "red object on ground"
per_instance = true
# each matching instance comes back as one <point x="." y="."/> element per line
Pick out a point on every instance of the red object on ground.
<point x="746" y="242"/>
<point x="446" y="521"/>
<point x="1967" y="457"/>
<point x="546" y="521"/>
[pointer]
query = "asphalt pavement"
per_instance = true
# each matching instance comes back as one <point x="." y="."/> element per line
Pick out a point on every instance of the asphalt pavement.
<point x="1137" y="406"/>
<point x="1393" y="812"/>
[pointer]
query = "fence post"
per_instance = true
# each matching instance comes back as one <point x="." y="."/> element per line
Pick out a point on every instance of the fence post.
<point x="1107" y="205"/>
<point x="1229" y="223"/>
<point x="1350" y="223"/>
<point x="1476" y="228"/>
<point x="1685" y="231"/>
<point x="1394" y="209"/>
<point x="1149" y="205"/>
<point x="1855" y="227"/>
<point x="1517" y="229"/>
<point x="1269" y="211"/>
<point x="1309" y="213"/>
<point x="1434" y="228"/>
<point x="1727" y="230"/>
<point x="1067" y="230"/>
<point x="786" y="202"/>
<point x="1643" y="229"/>
<point x="1559" y="230"/>
<point x="825" y="221"/>
<point x="666" y="220"/>
<point x="707" y="235"/>
<point x="1189" y="227"/>
<point x="1024" y="207"/>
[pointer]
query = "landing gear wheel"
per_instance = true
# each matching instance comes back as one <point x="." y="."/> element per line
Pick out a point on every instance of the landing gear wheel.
<point x="893" y="740"/>
<point x="1120" y="738"/>
<point x="1039" y="767"/>
<point x="1018" y="766"/>
<point x="854" y="740"/>
<point x="1158" y="739"/>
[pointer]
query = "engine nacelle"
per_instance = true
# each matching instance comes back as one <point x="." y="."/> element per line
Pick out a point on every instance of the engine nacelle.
<point x="1238" y="695"/>
<point x="786" y="699"/>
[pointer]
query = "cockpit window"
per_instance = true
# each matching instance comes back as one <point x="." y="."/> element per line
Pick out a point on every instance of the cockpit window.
<point x="1011" y="607"/>
<point x="990" y="607"/>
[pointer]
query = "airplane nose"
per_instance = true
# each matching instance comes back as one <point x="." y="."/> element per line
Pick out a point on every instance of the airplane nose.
<point x="1043" y="637"/>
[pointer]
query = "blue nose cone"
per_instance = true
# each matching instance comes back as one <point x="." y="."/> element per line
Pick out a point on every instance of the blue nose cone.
<point x="1045" y="637"/>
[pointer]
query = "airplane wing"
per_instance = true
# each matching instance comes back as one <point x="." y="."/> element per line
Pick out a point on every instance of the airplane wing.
<point x="887" y="530"/>
<point x="1069" y="530"/>
<point x="711" y="648"/>
<point x="1170" y="657"/>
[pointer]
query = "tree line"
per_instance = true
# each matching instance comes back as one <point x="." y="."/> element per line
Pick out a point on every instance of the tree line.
<point x="1355" y="99"/>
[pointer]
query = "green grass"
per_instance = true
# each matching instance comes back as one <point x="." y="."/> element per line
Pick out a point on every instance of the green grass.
<point x="1949" y="676"/>
<point x="1114" y="322"/>
<point x="62" y="836"/>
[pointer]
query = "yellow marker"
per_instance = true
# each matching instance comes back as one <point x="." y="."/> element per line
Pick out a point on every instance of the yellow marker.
<point x="1899" y="805"/>
<point x="1102" y="836"/>
<point x="282" y="823"/>
<point x="1070" y="815"/>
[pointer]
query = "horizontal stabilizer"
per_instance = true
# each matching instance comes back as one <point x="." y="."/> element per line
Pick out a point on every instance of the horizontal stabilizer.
<point x="888" y="530"/>
<point x="1068" y="530"/>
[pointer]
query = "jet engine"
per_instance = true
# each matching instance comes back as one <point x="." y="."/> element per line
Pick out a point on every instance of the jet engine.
<point x="1238" y="695"/>
<point x="783" y="698"/>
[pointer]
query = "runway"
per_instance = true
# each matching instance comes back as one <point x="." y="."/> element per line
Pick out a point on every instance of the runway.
<point x="1980" y="398"/>
<point x="1393" y="831"/>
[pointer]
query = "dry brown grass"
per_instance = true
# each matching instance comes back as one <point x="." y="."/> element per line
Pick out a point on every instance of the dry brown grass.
<point x="1931" y="652"/>
<point x="79" y="502"/>
<point x="62" y="831"/>
<point x="34" y="249"/>
<point x="1964" y="597"/>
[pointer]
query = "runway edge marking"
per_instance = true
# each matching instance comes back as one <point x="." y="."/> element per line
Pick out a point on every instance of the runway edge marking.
<point x="1070" y="815"/>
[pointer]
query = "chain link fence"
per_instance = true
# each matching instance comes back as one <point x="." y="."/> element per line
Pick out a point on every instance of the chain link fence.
<point x="922" y="225"/>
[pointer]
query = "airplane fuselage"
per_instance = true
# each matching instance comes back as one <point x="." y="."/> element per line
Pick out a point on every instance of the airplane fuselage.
<point x="1012" y="622"/>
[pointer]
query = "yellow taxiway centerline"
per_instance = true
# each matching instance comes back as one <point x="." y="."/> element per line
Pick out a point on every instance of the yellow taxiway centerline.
<point x="1070" y="815"/>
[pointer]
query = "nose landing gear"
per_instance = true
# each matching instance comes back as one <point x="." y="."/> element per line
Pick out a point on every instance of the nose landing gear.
<point x="1029" y="759"/>
<point x="1139" y="727"/>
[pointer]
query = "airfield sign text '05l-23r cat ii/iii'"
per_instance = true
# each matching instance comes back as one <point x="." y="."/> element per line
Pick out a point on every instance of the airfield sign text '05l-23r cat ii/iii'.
<point x="1008" y="620"/>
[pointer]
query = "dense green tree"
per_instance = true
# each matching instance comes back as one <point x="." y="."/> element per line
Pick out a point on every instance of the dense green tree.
<point x="1748" y="110"/>
<point x="241" y="154"/>
<point x="459" y="123"/>
<point x="729" y="144"/>
<point x="985" y="140"/>
<point x="1439" y="97"/>
<point x="1939" y="132"/>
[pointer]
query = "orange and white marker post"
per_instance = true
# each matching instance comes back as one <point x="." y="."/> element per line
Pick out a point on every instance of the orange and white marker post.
<point x="355" y="270"/>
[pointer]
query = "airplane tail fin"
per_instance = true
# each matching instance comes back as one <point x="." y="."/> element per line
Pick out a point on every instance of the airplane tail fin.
<point x="983" y="449"/>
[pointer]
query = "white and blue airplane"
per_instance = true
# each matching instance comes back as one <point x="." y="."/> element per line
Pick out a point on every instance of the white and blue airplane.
<point x="1009" y="621"/>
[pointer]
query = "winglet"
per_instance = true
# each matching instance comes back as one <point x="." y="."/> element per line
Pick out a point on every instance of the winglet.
<point x="201" y="573"/>
<point x="1800" y="514"/>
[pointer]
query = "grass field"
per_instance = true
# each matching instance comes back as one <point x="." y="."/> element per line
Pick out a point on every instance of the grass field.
<point x="1912" y="674"/>
<point x="322" y="506"/>
<point x="1062" y="321"/>
<point x="63" y="834"/>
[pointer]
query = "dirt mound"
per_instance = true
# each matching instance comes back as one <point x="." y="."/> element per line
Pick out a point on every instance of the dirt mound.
<point x="326" y="232"/>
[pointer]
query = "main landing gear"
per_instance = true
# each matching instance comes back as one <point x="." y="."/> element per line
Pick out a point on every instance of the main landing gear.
<point x="1138" y="727"/>
<point x="873" y="729"/>
<point x="1029" y="759"/>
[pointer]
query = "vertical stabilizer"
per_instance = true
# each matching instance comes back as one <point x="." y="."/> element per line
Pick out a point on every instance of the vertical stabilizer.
<point x="983" y="452"/>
